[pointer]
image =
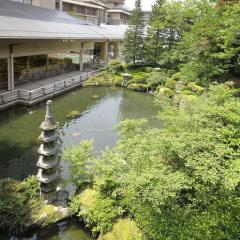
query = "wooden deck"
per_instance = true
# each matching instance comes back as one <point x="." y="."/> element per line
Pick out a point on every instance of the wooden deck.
<point x="29" y="97"/>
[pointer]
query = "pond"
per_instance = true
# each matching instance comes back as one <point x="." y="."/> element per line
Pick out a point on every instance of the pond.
<point x="19" y="128"/>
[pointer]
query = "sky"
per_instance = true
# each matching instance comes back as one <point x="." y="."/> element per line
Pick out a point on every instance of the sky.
<point x="146" y="4"/>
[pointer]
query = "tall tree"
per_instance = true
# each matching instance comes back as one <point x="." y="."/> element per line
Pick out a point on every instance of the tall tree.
<point x="133" y="43"/>
<point x="168" y="23"/>
<point x="153" y="43"/>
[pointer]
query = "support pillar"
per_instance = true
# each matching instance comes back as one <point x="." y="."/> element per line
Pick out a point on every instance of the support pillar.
<point x="47" y="63"/>
<point x="117" y="46"/>
<point x="81" y="59"/>
<point x="11" y="70"/>
<point x="104" y="51"/>
<point x="28" y="66"/>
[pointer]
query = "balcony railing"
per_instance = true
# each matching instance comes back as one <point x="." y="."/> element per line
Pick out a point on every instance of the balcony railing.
<point x="31" y="97"/>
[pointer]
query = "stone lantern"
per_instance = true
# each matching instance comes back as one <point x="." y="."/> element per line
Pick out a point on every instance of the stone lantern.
<point x="48" y="162"/>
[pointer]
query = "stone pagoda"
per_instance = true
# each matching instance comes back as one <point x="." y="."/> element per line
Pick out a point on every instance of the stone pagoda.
<point x="48" y="163"/>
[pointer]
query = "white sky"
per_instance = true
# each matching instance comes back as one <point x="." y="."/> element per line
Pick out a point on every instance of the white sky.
<point x="146" y="4"/>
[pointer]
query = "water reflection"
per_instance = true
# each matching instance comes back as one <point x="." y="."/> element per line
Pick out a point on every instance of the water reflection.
<point x="19" y="127"/>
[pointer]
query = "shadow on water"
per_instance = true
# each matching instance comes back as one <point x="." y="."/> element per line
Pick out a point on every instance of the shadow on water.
<point x="19" y="127"/>
<point x="15" y="157"/>
<point x="19" y="130"/>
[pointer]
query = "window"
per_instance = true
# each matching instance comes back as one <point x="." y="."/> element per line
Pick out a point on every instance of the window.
<point x="23" y="1"/>
<point x="57" y="4"/>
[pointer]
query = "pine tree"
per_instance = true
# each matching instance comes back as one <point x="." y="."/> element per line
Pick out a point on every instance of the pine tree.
<point x="133" y="42"/>
<point x="154" y="40"/>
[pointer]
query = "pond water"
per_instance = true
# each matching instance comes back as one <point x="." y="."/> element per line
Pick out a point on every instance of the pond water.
<point x="19" y="130"/>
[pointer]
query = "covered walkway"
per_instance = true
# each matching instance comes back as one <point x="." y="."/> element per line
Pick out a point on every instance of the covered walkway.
<point x="36" y="43"/>
<point x="31" y="85"/>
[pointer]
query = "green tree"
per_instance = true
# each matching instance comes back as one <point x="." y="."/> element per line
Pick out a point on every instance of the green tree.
<point x="180" y="182"/>
<point x="81" y="159"/>
<point x="167" y="24"/>
<point x="213" y="46"/>
<point x="133" y="42"/>
<point x="153" y="42"/>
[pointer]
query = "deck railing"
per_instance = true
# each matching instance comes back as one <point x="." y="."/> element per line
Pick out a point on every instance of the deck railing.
<point x="39" y="94"/>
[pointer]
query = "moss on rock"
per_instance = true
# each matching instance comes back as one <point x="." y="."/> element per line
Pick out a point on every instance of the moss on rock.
<point x="124" y="229"/>
<point x="196" y="88"/>
<point x="95" y="97"/>
<point x="187" y="100"/>
<point x="166" y="92"/>
<point x="138" y="87"/>
<point x="171" y="83"/>
<point x="49" y="214"/>
<point x="73" y="114"/>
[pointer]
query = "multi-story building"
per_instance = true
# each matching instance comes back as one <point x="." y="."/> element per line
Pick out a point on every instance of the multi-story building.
<point x="37" y="43"/>
<point x="98" y="12"/>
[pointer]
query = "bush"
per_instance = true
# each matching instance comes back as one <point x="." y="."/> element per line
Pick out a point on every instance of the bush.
<point x="171" y="83"/>
<point x="15" y="211"/>
<point x="148" y="69"/>
<point x="140" y="78"/>
<point x="117" y="80"/>
<point x="114" y="66"/>
<point x="156" y="78"/>
<point x="30" y="186"/>
<point x="81" y="158"/>
<point x="98" y="213"/>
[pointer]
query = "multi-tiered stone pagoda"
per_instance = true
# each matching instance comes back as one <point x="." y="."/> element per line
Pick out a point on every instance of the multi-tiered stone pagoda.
<point x="48" y="163"/>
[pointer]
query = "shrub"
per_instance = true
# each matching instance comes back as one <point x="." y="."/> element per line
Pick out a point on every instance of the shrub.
<point x="98" y="213"/>
<point x="171" y="83"/>
<point x="156" y="78"/>
<point x="15" y="211"/>
<point x="114" y="66"/>
<point x="140" y="78"/>
<point x="117" y="80"/>
<point x="31" y="187"/>
<point x="81" y="158"/>
<point x="148" y="69"/>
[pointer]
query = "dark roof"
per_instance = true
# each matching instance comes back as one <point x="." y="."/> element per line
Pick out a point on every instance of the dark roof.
<point x="23" y="21"/>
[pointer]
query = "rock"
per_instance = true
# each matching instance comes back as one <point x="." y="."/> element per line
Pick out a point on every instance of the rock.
<point x="196" y="88"/>
<point x="62" y="197"/>
<point x="187" y="100"/>
<point x="230" y="84"/>
<point x="43" y="217"/>
<point x="64" y="212"/>
<point x="179" y="86"/>
<point x="73" y="114"/>
<point x="95" y="97"/>
<point x="164" y="91"/>
<point x="127" y="76"/>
